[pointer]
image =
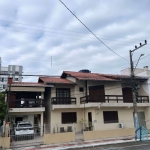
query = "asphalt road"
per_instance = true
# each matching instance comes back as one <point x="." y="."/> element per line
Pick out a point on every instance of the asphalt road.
<point x="124" y="146"/>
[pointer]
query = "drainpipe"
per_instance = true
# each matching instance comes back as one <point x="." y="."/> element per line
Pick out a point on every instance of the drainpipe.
<point x="86" y="93"/>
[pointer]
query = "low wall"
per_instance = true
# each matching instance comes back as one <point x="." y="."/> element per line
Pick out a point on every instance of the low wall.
<point x="101" y="134"/>
<point x="5" y="142"/>
<point x="59" y="138"/>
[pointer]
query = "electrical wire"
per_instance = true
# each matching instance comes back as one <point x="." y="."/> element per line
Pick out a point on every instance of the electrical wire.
<point x="92" y="32"/>
<point x="61" y="29"/>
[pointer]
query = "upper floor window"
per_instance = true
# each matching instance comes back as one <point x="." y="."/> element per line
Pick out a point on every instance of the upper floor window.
<point x="62" y="92"/>
<point x="16" y="72"/>
<point x="3" y="79"/>
<point x="4" y="72"/>
<point x="81" y="89"/>
<point x="16" y="79"/>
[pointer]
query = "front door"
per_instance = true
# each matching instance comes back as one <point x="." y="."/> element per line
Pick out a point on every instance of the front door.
<point x="90" y="120"/>
<point x="97" y="93"/>
<point x="127" y="95"/>
<point x="141" y="117"/>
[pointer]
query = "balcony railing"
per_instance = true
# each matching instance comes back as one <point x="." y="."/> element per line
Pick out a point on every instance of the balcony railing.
<point x="26" y="103"/>
<point x="63" y="100"/>
<point x="111" y="99"/>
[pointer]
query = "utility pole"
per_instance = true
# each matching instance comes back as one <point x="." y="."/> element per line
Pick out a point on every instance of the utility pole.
<point x="134" y="89"/>
<point x="8" y="98"/>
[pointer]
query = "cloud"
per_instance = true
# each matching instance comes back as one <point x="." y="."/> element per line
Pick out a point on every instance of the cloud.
<point x="45" y="38"/>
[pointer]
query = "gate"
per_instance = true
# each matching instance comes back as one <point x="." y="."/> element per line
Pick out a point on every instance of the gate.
<point x="24" y="138"/>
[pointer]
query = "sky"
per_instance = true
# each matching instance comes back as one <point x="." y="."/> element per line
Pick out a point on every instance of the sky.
<point x="46" y="39"/>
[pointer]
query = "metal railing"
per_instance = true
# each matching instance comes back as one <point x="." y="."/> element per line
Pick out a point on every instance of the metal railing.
<point x="63" y="100"/>
<point x="25" y="138"/>
<point x="111" y="98"/>
<point x="143" y="134"/>
<point x="26" y="103"/>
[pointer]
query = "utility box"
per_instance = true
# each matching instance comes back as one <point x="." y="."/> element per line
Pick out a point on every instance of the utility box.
<point x="121" y="125"/>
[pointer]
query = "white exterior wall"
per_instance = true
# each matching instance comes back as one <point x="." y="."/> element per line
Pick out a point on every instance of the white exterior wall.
<point x="29" y="118"/>
<point x="56" y="119"/>
<point x="125" y="116"/>
<point x="13" y="71"/>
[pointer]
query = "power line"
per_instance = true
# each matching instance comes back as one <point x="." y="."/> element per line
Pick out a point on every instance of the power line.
<point x="60" y="29"/>
<point x="92" y="32"/>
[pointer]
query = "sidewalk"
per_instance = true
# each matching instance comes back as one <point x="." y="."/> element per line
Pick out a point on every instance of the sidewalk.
<point x="78" y="145"/>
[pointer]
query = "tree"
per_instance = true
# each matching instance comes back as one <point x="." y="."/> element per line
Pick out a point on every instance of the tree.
<point x="2" y="106"/>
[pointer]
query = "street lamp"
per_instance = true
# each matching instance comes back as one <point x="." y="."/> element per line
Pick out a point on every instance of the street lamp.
<point x="138" y="61"/>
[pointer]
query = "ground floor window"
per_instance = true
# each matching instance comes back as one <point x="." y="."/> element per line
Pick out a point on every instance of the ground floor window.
<point x="110" y="116"/>
<point x="68" y="117"/>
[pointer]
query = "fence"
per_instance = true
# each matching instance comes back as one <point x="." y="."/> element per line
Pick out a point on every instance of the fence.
<point x="26" y="136"/>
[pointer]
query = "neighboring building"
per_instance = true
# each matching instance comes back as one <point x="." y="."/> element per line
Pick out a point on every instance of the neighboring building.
<point x="105" y="100"/>
<point x="145" y="72"/>
<point x="13" y="71"/>
<point x="26" y="102"/>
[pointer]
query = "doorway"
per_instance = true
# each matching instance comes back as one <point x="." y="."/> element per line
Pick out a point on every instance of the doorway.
<point x="127" y="95"/>
<point x="18" y="119"/>
<point x="97" y="93"/>
<point x="141" y="117"/>
<point x="90" y="120"/>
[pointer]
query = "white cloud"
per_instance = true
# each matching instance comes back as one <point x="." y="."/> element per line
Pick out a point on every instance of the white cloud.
<point x="57" y="33"/>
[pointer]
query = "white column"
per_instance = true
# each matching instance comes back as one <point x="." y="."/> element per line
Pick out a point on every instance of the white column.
<point x="42" y="124"/>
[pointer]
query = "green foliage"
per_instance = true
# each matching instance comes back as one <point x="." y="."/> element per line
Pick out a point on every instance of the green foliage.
<point x="2" y="106"/>
<point x="82" y="121"/>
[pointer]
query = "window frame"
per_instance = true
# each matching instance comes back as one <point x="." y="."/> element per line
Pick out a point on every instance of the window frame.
<point x="110" y="117"/>
<point x="63" y="92"/>
<point x="81" y="89"/>
<point x="71" y="119"/>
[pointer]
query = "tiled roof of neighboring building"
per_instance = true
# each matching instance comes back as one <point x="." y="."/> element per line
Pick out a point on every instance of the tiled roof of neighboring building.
<point x="87" y="76"/>
<point x="118" y="76"/>
<point x="28" y="84"/>
<point x="54" y="80"/>
<point x="97" y="76"/>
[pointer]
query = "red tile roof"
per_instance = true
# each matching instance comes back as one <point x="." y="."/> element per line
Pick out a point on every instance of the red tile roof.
<point x="87" y="76"/>
<point x="55" y="80"/>
<point x="97" y="76"/>
<point x="118" y="76"/>
<point x="28" y="84"/>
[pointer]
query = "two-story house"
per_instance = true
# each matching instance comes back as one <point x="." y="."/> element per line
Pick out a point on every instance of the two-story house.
<point x="105" y="100"/>
<point x="26" y="102"/>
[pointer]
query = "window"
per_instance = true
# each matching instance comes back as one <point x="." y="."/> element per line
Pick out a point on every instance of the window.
<point x="4" y="72"/>
<point x="65" y="92"/>
<point x="16" y="72"/>
<point x="4" y="86"/>
<point x="68" y="117"/>
<point x="110" y="116"/>
<point x="81" y="89"/>
<point x="16" y="79"/>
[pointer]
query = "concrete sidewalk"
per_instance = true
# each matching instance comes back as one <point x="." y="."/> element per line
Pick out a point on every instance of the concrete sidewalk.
<point x="79" y="144"/>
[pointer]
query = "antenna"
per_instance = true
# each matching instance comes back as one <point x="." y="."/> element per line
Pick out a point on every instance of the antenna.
<point x="51" y="61"/>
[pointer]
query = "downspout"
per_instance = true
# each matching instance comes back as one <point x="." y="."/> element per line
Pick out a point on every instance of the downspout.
<point x="86" y="93"/>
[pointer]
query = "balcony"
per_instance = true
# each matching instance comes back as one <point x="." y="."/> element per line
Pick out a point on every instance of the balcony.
<point x="26" y="105"/>
<point x="63" y="100"/>
<point x="112" y="99"/>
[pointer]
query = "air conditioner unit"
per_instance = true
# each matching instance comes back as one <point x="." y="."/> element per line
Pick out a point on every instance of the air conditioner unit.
<point x="121" y="125"/>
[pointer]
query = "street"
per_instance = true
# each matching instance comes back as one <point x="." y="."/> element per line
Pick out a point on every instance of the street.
<point x="124" y="146"/>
